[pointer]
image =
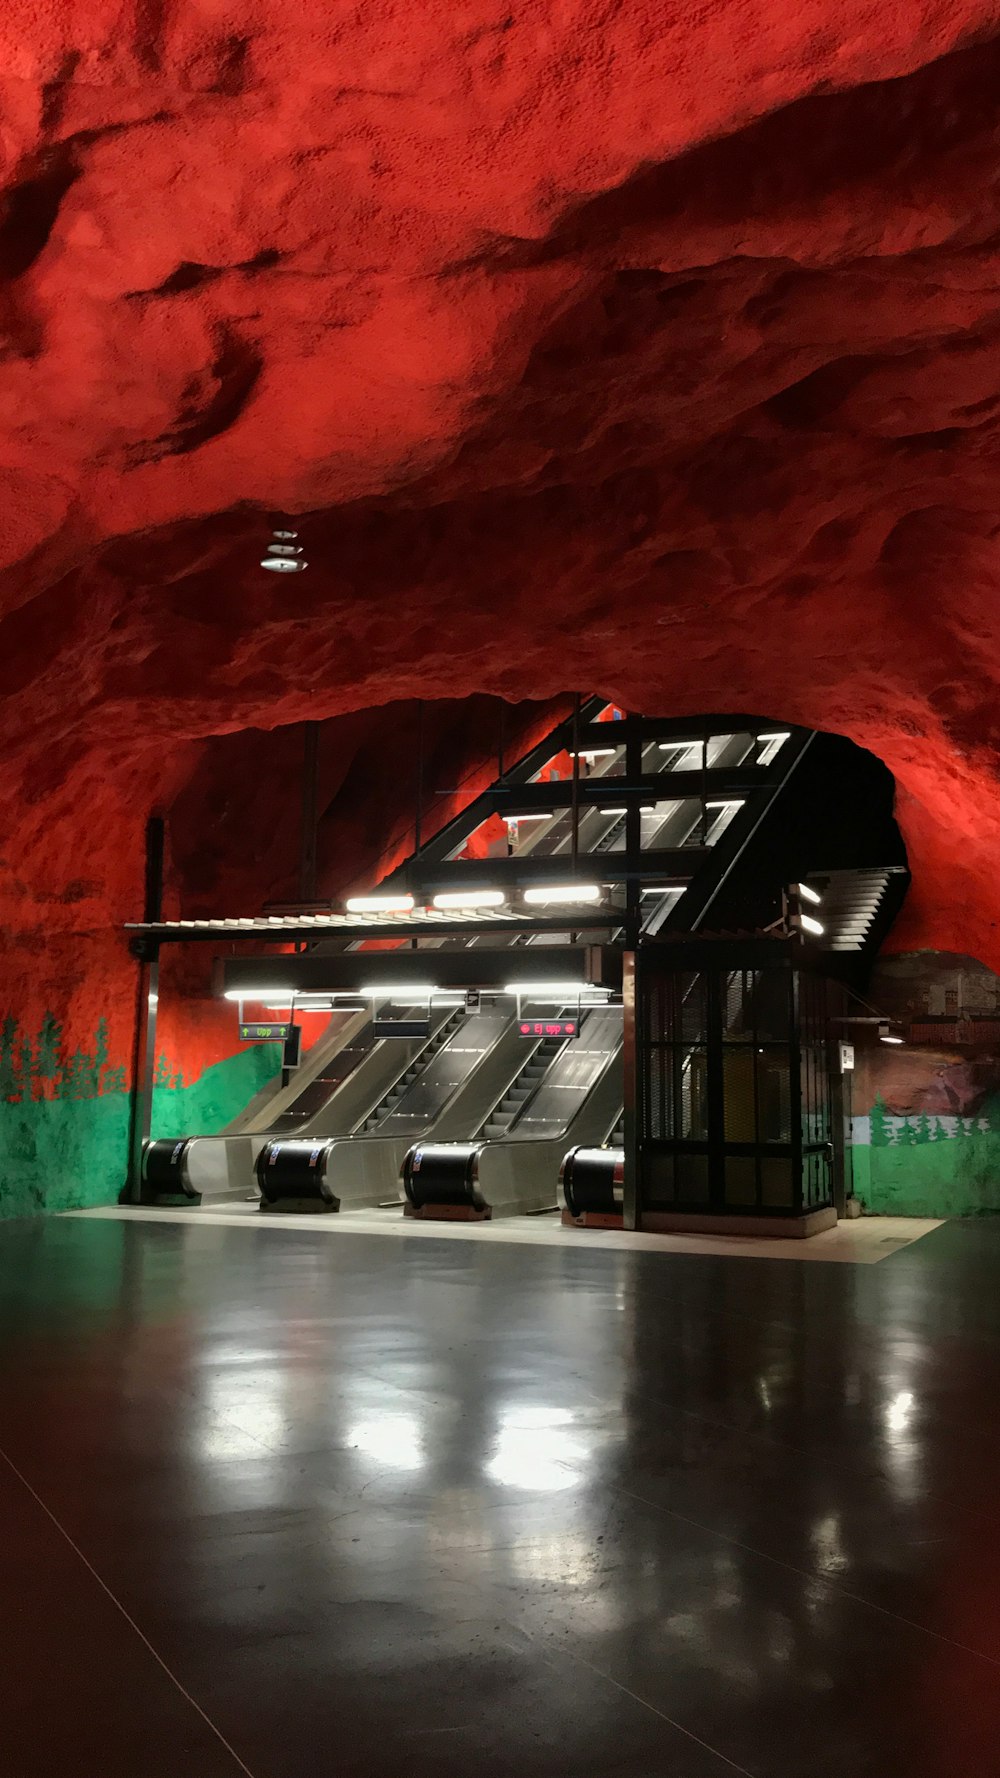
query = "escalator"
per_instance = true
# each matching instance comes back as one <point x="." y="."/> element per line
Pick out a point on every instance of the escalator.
<point x="576" y="1099"/>
<point x="445" y="1091"/>
<point x="347" y="1077"/>
<point x="521" y="1089"/>
<point x="418" y="1084"/>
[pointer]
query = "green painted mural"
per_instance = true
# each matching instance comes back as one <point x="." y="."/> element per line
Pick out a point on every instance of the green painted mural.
<point x="221" y="1092"/>
<point x="63" y="1120"/>
<point x="64" y="1113"/>
<point x="926" y="1134"/>
<point x="906" y="1166"/>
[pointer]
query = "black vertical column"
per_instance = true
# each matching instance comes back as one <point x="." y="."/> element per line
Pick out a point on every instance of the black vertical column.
<point x="795" y="1087"/>
<point x="635" y="1061"/>
<point x="310" y="777"/>
<point x="147" y="954"/>
<point x="635" y="1054"/>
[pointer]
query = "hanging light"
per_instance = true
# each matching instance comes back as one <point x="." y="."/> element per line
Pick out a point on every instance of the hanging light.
<point x="284" y="554"/>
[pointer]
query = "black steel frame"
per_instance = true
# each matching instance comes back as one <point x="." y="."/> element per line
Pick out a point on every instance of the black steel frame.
<point x="714" y="960"/>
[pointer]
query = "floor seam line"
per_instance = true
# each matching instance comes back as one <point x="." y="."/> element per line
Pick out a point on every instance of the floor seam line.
<point x="645" y="1704"/>
<point x="123" y="1611"/>
<point x="809" y="1574"/>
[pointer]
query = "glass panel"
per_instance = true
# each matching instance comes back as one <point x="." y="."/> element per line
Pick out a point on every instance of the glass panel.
<point x="739" y="989"/>
<point x="661" y="1113"/>
<point x="691" y="1172"/>
<point x="717" y="818"/>
<point x="815" y="1096"/>
<point x="816" y="1179"/>
<point x="694" y="1094"/>
<point x="668" y="826"/>
<point x="676" y="756"/>
<point x="776" y="1183"/>
<point x="774" y="1095"/>
<point x="738" y="1095"/>
<point x="539" y="835"/>
<point x="730" y="750"/>
<point x="741" y="1179"/>
<point x="600" y="759"/>
<point x="489" y="840"/>
<point x="658" y="1178"/>
<point x="773" y="1005"/>
<point x="767" y="746"/>
<point x="692" y="1010"/>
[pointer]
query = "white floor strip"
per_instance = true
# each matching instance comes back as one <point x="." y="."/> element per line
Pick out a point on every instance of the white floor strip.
<point x="861" y="1243"/>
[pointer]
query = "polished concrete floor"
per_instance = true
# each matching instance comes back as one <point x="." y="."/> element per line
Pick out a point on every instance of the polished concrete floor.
<point x="292" y="1506"/>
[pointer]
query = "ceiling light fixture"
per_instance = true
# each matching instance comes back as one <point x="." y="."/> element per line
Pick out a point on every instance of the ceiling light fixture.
<point x="253" y="994"/>
<point x="379" y="990"/>
<point x="470" y="898"/>
<point x="380" y="904"/>
<point x="562" y="894"/>
<point x="284" y="554"/>
<point x="550" y="988"/>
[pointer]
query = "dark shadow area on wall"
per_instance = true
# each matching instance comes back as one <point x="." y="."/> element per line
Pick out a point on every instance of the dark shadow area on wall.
<point x="234" y="831"/>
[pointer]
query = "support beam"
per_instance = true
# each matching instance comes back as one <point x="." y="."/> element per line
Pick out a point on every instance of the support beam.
<point x="310" y="781"/>
<point x="146" y="951"/>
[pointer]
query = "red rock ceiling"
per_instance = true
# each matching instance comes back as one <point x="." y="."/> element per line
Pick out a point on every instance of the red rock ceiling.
<point x="648" y="349"/>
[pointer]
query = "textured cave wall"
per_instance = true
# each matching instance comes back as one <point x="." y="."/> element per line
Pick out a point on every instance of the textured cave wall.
<point x="648" y="350"/>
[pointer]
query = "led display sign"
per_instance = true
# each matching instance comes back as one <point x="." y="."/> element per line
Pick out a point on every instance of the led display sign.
<point x="549" y="1027"/>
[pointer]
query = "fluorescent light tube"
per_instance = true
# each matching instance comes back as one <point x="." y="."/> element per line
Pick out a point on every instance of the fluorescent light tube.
<point x="380" y="904"/>
<point x="562" y="893"/>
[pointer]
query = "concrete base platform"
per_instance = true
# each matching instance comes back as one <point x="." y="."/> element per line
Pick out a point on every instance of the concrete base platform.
<point x="862" y="1243"/>
<point x="794" y="1228"/>
<point x="447" y="1213"/>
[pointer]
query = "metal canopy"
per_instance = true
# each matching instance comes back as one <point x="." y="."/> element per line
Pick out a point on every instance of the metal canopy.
<point x="349" y="971"/>
<point x="423" y="922"/>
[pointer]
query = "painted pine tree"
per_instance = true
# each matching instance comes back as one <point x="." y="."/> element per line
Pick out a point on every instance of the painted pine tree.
<point x="92" y="1066"/>
<point x="881" y="1129"/>
<point x="923" y="1130"/>
<point x="8" y="1053"/>
<point x="48" y="1052"/>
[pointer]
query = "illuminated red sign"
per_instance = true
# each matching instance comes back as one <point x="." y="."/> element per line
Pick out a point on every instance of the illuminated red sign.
<point x="550" y="1027"/>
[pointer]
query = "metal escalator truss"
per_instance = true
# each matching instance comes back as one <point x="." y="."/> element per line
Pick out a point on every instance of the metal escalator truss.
<point x="690" y="911"/>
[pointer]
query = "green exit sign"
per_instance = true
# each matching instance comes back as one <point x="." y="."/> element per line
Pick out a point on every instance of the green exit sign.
<point x="264" y="1033"/>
